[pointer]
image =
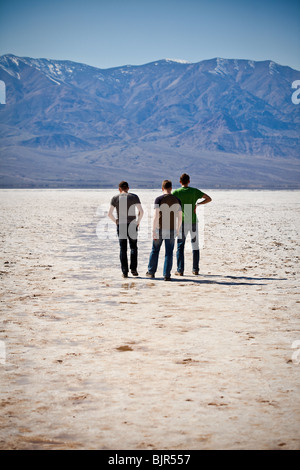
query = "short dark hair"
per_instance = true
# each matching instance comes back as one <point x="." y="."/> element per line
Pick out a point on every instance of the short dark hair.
<point x="184" y="178"/>
<point x="166" y="184"/>
<point x="123" y="185"/>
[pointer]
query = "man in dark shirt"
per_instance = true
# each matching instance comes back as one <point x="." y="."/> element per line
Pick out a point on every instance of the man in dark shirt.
<point x="126" y="205"/>
<point x="166" y="226"/>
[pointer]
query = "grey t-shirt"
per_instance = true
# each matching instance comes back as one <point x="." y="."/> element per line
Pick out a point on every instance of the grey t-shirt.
<point x="125" y="204"/>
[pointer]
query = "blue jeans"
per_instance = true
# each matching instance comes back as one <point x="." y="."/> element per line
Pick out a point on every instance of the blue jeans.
<point x="193" y="230"/>
<point x="169" y="248"/>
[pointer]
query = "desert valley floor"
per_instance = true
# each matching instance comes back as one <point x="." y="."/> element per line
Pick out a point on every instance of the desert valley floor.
<point x="89" y="360"/>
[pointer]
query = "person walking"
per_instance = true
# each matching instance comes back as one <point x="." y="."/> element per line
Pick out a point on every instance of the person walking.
<point x="127" y="206"/>
<point x="166" y="226"/>
<point x="189" y="197"/>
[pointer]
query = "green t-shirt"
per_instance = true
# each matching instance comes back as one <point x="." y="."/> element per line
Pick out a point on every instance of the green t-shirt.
<point x="188" y="197"/>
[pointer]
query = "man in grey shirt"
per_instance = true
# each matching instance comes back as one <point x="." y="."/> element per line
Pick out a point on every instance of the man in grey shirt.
<point x="126" y="205"/>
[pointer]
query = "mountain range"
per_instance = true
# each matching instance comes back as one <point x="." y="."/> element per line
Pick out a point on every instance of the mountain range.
<point x="229" y="123"/>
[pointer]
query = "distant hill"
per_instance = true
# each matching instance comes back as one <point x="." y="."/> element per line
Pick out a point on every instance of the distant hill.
<point x="229" y="123"/>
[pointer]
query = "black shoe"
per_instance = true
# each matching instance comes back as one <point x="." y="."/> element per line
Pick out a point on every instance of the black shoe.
<point x="125" y="275"/>
<point x="196" y="272"/>
<point x="151" y="275"/>
<point x="177" y="273"/>
<point x="167" y="278"/>
<point x="134" y="273"/>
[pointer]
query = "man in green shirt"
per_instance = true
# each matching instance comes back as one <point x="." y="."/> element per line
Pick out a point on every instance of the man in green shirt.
<point x="189" y="197"/>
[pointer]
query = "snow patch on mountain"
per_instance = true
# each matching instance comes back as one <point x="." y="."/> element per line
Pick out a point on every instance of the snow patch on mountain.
<point x="178" y="61"/>
<point x="273" y="68"/>
<point x="221" y="67"/>
<point x="10" y="72"/>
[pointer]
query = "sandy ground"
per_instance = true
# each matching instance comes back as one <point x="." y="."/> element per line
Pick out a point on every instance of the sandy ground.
<point x="89" y="360"/>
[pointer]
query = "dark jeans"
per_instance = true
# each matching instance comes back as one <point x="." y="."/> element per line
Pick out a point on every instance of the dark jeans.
<point x="156" y="246"/>
<point x="193" y="230"/>
<point x="128" y="232"/>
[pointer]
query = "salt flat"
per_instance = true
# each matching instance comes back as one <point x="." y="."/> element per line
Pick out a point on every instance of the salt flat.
<point x="93" y="361"/>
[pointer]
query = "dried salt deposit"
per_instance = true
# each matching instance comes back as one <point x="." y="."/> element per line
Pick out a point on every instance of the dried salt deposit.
<point x="89" y="360"/>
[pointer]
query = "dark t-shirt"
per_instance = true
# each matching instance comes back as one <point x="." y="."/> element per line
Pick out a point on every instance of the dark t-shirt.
<point x="125" y="205"/>
<point x="168" y="206"/>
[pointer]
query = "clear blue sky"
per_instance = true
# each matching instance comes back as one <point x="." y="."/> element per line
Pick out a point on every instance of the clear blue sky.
<point x="109" y="33"/>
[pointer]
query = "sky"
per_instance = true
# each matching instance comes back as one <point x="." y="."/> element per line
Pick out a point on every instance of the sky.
<point x="112" y="33"/>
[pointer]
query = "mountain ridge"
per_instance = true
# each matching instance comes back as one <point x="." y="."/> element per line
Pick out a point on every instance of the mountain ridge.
<point x="64" y="122"/>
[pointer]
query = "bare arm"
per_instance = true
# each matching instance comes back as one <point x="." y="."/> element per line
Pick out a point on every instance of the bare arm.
<point x="110" y="214"/>
<point x="206" y="200"/>
<point x="155" y="223"/>
<point x="140" y="213"/>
